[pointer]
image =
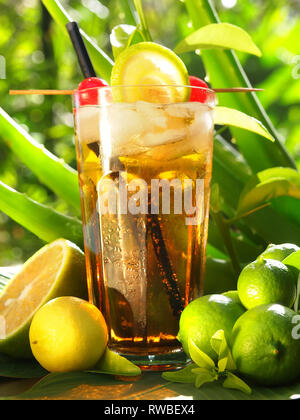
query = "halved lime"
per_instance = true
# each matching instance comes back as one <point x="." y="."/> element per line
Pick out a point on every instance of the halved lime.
<point x="57" y="269"/>
<point x="146" y="67"/>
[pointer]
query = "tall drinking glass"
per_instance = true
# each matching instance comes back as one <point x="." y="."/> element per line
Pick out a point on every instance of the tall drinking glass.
<point x="144" y="173"/>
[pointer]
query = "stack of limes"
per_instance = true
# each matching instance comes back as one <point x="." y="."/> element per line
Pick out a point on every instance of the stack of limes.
<point x="257" y="319"/>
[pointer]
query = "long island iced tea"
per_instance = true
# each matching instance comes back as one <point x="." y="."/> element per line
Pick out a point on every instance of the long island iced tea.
<point x="144" y="173"/>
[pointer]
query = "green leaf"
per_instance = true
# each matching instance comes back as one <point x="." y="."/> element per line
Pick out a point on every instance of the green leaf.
<point x="219" y="343"/>
<point x="41" y="220"/>
<point x="222" y="364"/>
<point x="199" y="357"/>
<point x="51" y="171"/>
<point x="215" y="198"/>
<point x="204" y="377"/>
<point x="220" y="36"/>
<point x="55" y="384"/>
<point x="112" y="363"/>
<point x="143" y="23"/>
<point x="235" y="118"/>
<point x="293" y="260"/>
<point x="233" y="382"/>
<point x="269" y="184"/>
<point x="19" y="368"/>
<point x="101" y="61"/>
<point x="128" y="10"/>
<point x="184" y="376"/>
<point x="122" y="36"/>
<point x="225" y="70"/>
<point x="287" y="206"/>
<point x="273" y="226"/>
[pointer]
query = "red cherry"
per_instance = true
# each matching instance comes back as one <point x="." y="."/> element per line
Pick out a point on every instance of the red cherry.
<point x="90" y="97"/>
<point x="198" y="95"/>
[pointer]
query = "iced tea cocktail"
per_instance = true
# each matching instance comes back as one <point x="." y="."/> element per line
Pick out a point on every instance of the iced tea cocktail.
<point x="144" y="172"/>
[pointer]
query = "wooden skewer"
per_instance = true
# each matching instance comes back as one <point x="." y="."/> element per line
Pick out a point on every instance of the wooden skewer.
<point x="70" y="92"/>
<point x="41" y="92"/>
<point x="237" y="90"/>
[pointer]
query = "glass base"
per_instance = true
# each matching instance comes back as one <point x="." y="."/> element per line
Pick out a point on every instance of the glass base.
<point x="159" y="362"/>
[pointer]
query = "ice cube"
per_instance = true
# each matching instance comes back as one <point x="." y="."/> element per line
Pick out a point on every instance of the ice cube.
<point x="183" y="110"/>
<point x="153" y="116"/>
<point x="200" y="131"/>
<point x="87" y="122"/>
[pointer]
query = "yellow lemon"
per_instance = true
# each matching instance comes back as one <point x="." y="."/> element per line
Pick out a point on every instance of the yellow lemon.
<point x="68" y="334"/>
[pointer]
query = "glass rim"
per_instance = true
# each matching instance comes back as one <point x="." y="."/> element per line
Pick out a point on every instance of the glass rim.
<point x="144" y="86"/>
<point x="210" y="99"/>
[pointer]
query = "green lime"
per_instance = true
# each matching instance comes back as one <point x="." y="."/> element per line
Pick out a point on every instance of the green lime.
<point x="68" y="334"/>
<point x="279" y="252"/>
<point x="266" y="281"/>
<point x="203" y="317"/>
<point x="234" y="295"/>
<point x="56" y="269"/>
<point x="146" y="66"/>
<point x="264" y="345"/>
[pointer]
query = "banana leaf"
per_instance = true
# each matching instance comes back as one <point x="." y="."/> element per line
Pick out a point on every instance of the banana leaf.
<point x="225" y="70"/>
<point x="50" y="170"/>
<point x="149" y="387"/>
<point x="42" y="220"/>
<point x="101" y="61"/>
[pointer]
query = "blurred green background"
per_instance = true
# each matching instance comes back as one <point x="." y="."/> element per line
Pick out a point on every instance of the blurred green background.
<point x="37" y="55"/>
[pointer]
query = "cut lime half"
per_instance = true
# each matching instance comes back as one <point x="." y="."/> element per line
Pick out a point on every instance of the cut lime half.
<point x="57" y="269"/>
<point x="150" y="72"/>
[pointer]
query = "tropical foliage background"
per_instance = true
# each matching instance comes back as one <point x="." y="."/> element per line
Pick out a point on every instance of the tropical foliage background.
<point x="38" y="55"/>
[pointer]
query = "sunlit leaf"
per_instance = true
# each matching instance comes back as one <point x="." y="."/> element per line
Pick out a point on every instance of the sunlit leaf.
<point x="112" y="363"/>
<point x="142" y="20"/>
<point x="215" y="198"/>
<point x="101" y="61"/>
<point x="199" y="357"/>
<point x="185" y="376"/>
<point x="41" y="220"/>
<point x="123" y="36"/>
<point x="220" y="36"/>
<point x="222" y="364"/>
<point x="219" y="344"/>
<point x="293" y="260"/>
<point x="233" y="382"/>
<point x="204" y="377"/>
<point x="51" y="171"/>
<point x="269" y="184"/>
<point x="225" y="70"/>
<point x="235" y="118"/>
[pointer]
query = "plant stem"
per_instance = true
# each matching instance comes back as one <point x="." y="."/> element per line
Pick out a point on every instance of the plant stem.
<point x="127" y="7"/>
<point x="143" y="23"/>
<point x="221" y="130"/>
<point x="225" y="233"/>
<point x="248" y="213"/>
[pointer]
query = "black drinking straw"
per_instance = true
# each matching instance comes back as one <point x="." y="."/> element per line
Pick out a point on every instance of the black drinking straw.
<point x="81" y="51"/>
<point x="170" y="280"/>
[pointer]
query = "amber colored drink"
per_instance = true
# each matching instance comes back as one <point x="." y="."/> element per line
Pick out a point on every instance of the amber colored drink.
<point x="144" y="173"/>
